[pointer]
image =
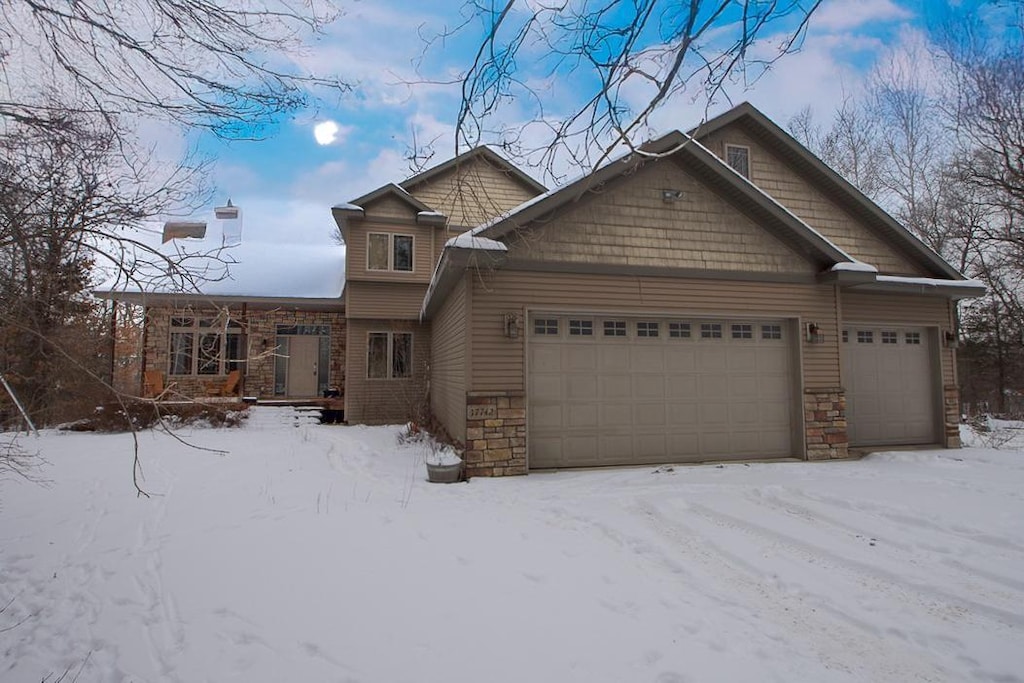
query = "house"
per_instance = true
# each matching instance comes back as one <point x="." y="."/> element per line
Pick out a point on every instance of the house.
<point x="721" y="294"/>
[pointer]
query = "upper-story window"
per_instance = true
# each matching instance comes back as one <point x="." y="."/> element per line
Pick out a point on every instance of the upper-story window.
<point x="738" y="157"/>
<point x="385" y="251"/>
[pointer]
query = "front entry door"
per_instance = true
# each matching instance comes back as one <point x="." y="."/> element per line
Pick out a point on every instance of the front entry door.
<point x="303" y="352"/>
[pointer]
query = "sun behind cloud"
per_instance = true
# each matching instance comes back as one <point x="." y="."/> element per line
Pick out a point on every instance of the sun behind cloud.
<point x="326" y="132"/>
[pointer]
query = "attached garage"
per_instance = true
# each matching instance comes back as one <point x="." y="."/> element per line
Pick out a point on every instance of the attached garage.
<point x="614" y="390"/>
<point x="889" y="376"/>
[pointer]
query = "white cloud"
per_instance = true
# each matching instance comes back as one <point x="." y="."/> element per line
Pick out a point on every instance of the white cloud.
<point x="844" y="15"/>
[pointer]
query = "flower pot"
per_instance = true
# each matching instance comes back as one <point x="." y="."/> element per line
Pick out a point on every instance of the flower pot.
<point x="444" y="474"/>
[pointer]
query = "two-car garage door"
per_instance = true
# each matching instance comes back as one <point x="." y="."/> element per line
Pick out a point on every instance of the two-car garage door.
<point x="606" y="390"/>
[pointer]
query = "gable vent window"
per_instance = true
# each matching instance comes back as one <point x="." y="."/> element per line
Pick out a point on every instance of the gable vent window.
<point x="742" y="331"/>
<point x="771" y="331"/>
<point x="739" y="158"/>
<point x="647" y="329"/>
<point x="889" y="337"/>
<point x="913" y="337"/>
<point x="581" y="328"/>
<point x="615" y="328"/>
<point x="545" y="326"/>
<point x="710" y="331"/>
<point x="679" y="330"/>
<point x="865" y="337"/>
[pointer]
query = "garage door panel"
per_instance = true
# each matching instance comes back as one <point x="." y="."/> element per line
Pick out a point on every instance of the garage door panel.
<point x="581" y="357"/>
<point x="647" y="387"/>
<point x="681" y="415"/>
<point x="619" y="400"/>
<point x="681" y="359"/>
<point x="580" y="387"/>
<point x="644" y="357"/>
<point x="743" y="387"/>
<point x="713" y="387"/>
<point x="613" y="357"/>
<point x="680" y="386"/>
<point x="583" y="415"/>
<point x="743" y="359"/>
<point x="649" y="415"/>
<point x="614" y="387"/>
<point x="890" y="388"/>
<point x="546" y="417"/>
<point x="712" y="357"/>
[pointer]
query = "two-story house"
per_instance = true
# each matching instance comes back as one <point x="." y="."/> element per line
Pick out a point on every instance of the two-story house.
<point x="721" y="295"/>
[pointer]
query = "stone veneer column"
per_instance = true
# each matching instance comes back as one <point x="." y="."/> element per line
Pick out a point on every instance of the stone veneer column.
<point x="825" y="423"/>
<point x="951" y="415"/>
<point x="495" y="434"/>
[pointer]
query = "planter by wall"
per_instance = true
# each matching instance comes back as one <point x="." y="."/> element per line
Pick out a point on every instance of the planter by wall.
<point x="444" y="474"/>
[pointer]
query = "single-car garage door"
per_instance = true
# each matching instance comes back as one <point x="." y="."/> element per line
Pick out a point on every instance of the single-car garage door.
<point x="890" y="392"/>
<point x="626" y="390"/>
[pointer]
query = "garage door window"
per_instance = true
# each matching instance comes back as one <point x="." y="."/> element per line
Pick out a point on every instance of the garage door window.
<point x="646" y="329"/>
<point x="710" y="331"/>
<point x="890" y="337"/>
<point x="581" y="328"/>
<point x="913" y="337"/>
<point x="771" y="331"/>
<point x="865" y="337"/>
<point x="545" y="326"/>
<point x="679" y="330"/>
<point x="615" y="328"/>
<point x="742" y="331"/>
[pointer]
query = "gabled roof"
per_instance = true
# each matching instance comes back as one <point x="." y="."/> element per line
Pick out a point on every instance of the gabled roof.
<point x="769" y="132"/>
<point x="393" y="190"/>
<point x="684" y="149"/>
<point x="482" y="152"/>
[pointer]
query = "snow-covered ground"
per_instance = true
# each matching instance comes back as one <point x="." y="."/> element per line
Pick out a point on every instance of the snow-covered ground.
<point x="320" y="553"/>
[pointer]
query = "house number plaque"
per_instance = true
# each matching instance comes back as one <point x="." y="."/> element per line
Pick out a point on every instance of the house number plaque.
<point x="485" y="412"/>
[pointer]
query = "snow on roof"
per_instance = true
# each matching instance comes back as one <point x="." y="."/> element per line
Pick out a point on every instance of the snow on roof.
<point x="250" y="269"/>
<point x="931" y="282"/>
<point x="467" y="240"/>
<point x="854" y="267"/>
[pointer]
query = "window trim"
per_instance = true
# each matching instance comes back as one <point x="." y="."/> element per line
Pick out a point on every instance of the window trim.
<point x="391" y="252"/>
<point x="390" y="355"/>
<point x="746" y="148"/>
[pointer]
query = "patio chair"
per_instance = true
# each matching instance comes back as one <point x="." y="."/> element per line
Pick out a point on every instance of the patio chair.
<point x="152" y="383"/>
<point x="230" y="386"/>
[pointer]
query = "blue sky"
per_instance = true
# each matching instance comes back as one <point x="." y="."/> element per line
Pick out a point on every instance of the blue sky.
<point x="287" y="182"/>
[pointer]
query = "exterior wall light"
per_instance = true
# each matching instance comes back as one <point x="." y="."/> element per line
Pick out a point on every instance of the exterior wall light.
<point x="513" y="325"/>
<point x="813" y="334"/>
<point x="669" y="196"/>
<point x="952" y="340"/>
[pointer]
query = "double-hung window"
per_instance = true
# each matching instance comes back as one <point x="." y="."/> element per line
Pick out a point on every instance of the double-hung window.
<point x="205" y="346"/>
<point x="386" y="251"/>
<point x="389" y="355"/>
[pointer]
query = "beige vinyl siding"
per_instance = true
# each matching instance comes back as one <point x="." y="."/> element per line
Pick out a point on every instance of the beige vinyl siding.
<point x="631" y="224"/>
<point x="908" y="310"/>
<point x="498" y="362"/>
<point x="390" y="206"/>
<point x="472" y="193"/>
<point x="448" y="363"/>
<point x="423" y="259"/>
<point x="384" y="299"/>
<point x="385" y="401"/>
<point x="776" y="177"/>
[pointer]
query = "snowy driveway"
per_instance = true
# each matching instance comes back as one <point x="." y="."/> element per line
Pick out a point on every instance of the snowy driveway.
<point x="320" y="554"/>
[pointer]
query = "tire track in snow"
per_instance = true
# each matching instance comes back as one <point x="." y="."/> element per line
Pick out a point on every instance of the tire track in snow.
<point x="966" y="574"/>
<point x="925" y="594"/>
<point x="839" y="642"/>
